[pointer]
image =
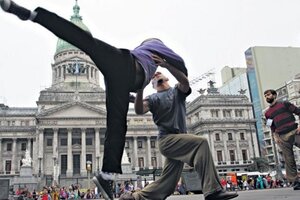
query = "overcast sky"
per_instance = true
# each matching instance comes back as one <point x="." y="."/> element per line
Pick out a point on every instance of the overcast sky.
<point x="208" y="34"/>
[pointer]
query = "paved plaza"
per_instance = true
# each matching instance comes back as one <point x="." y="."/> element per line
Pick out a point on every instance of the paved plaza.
<point x="266" y="194"/>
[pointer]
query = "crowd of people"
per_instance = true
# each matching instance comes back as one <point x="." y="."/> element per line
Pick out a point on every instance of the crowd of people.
<point x="74" y="191"/>
<point x="55" y="193"/>
<point x="255" y="182"/>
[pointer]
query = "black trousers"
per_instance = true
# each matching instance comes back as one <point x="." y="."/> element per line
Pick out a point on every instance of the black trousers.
<point x="118" y="69"/>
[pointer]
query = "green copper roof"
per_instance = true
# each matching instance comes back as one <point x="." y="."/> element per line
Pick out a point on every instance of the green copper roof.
<point x="77" y="20"/>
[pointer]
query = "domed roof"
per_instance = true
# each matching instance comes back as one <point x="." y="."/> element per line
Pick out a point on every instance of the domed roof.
<point x="77" y="20"/>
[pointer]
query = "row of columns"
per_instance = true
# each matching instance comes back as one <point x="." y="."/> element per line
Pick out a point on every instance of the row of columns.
<point x="69" y="172"/>
<point x="148" y="156"/>
<point x="59" y="72"/>
<point x="96" y="160"/>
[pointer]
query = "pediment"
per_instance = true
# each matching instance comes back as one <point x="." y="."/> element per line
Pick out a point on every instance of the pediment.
<point x="73" y="110"/>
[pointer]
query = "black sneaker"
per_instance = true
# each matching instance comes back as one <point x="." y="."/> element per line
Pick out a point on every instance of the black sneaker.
<point x="296" y="185"/>
<point x="105" y="186"/>
<point x="11" y="7"/>
<point x="221" y="195"/>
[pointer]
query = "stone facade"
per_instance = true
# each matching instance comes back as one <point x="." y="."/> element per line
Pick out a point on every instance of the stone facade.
<point x="227" y="123"/>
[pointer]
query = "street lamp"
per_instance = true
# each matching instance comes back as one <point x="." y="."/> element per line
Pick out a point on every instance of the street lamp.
<point x="40" y="167"/>
<point x="89" y="169"/>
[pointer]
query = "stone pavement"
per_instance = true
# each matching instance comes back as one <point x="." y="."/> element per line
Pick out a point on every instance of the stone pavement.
<point x="265" y="194"/>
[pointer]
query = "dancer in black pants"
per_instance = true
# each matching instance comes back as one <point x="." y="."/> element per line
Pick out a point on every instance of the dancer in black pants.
<point x="124" y="71"/>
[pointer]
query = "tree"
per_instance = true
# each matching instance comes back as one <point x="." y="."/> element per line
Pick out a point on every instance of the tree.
<point x="259" y="164"/>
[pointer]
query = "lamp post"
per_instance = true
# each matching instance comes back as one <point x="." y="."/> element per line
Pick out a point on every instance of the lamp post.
<point x="89" y="169"/>
<point x="40" y="167"/>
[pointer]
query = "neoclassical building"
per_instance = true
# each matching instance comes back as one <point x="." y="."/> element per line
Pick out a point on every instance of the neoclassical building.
<point x="67" y="128"/>
<point x="227" y="123"/>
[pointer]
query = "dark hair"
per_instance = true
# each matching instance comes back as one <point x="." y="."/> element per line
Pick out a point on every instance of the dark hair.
<point x="271" y="91"/>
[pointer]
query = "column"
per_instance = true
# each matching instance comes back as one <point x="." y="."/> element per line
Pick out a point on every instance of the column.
<point x="14" y="164"/>
<point x="36" y="151"/>
<point x="162" y="160"/>
<point x="97" y="150"/>
<point x="252" y="153"/>
<point x="89" y="70"/>
<point x="149" y="153"/>
<point x="41" y="150"/>
<point x="226" y="153"/>
<point x="1" y="158"/>
<point x="83" y="153"/>
<point x="70" y="158"/>
<point x="135" y="156"/>
<point x="28" y="148"/>
<point x="55" y="143"/>
<point x="55" y="154"/>
<point x="238" y="149"/>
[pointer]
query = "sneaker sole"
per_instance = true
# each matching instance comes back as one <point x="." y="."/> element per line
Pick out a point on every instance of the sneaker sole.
<point x="104" y="194"/>
<point x="236" y="195"/>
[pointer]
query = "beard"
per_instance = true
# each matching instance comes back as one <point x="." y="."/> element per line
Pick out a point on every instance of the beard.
<point x="270" y="100"/>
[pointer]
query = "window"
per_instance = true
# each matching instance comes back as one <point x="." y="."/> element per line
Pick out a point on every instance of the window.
<point x="76" y="141"/>
<point x="64" y="163"/>
<point x="89" y="141"/>
<point x="152" y="143"/>
<point x="140" y="144"/>
<point x="23" y="146"/>
<point x="138" y="121"/>
<point x="8" y="165"/>
<point x="217" y="137"/>
<point x="219" y="156"/>
<point x="229" y="136"/>
<point x="242" y="136"/>
<point x="232" y="155"/>
<point x="153" y="162"/>
<point x="214" y="113"/>
<point x="227" y="113"/>
<point x="49" y="142"/>
<point x="244" y="154"/>
<point x="239" y="113"/>
<point x="59" y="71"/>
<point x="127" y="144"/>
<point x="9" y="147"/>
<point x="63" y="141"/>
<point x="141" y="162"/>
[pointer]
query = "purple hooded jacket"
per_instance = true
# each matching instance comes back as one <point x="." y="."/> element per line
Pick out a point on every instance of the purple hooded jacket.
<point x="155" y="46"/>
